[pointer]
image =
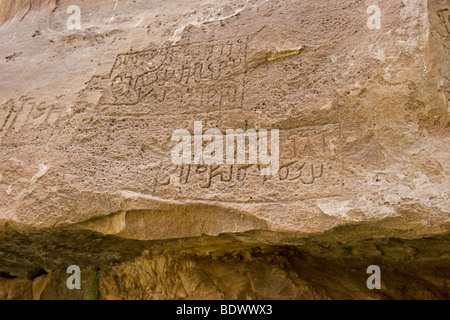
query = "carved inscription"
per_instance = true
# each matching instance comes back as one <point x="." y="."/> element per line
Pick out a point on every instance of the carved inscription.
<point x="26" y="112"/>
<point x="207" y="174"/>
<point x="181" y="77"/>
<point x="307" y="155"/>
<point x="444" y="16"/>
<point x="144" y="94"/>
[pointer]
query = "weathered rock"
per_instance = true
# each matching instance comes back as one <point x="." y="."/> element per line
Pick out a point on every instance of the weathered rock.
<point x="87" y="115"/>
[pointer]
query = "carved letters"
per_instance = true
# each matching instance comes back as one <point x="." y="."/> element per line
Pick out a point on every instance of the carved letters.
<point x="182" y="75"/>
<point x="25" y="112"/>
<point x="232" y="175"/>
<point x="444" y="16"/>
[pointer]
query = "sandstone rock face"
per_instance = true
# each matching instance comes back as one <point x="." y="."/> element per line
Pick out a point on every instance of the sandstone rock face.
<point x="359" y="92"/>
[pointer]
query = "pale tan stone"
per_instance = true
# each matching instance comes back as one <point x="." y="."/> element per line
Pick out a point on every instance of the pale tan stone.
<point x="86" y="118"/>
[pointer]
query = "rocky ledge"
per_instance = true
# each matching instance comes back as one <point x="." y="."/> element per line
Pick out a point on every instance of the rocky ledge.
<point x="352" y="95"/>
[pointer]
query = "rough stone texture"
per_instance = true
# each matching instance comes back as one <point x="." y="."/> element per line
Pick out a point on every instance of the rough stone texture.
<point x="86" y="176"/>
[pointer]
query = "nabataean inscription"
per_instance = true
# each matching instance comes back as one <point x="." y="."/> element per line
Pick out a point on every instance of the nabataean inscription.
<point x="444" y="16"/>
<point x="182" y="77"/>
<point x="141" y="96"/>
<point x="26" y="112"/>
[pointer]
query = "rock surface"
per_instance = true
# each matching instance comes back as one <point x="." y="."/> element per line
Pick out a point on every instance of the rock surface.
<point x="86" y="175"/>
